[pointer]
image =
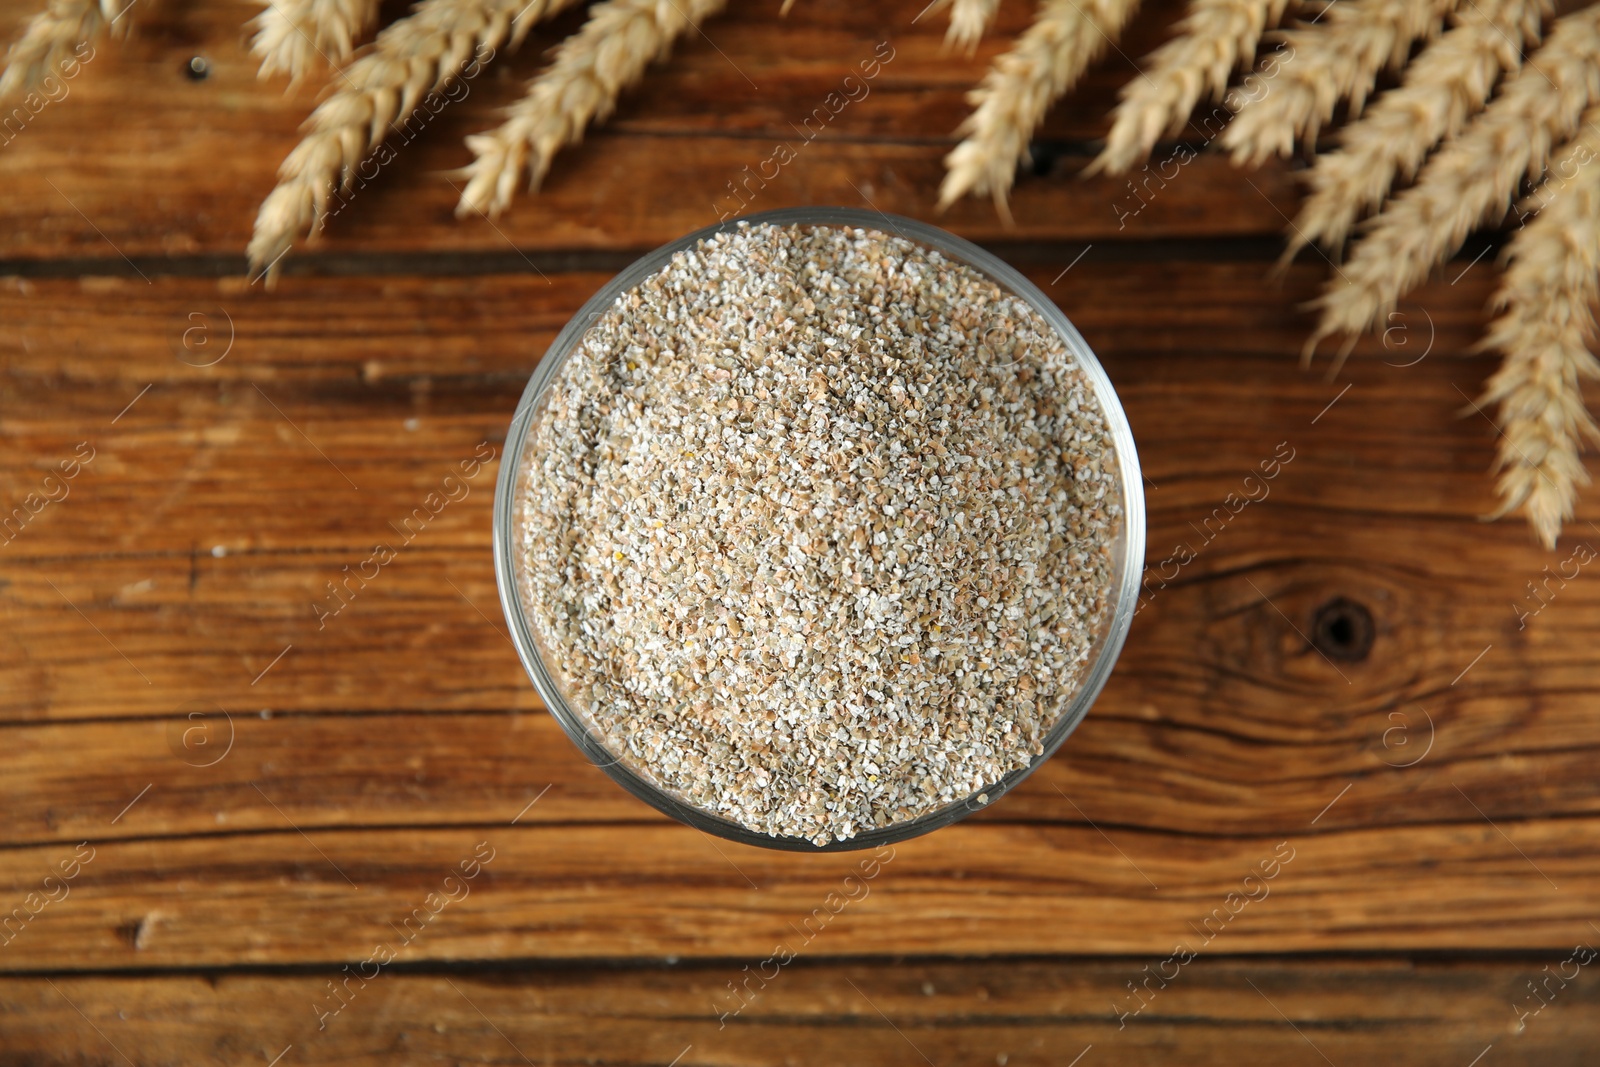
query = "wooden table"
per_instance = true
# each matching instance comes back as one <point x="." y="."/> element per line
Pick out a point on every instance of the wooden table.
<point x="1338" y="802"/>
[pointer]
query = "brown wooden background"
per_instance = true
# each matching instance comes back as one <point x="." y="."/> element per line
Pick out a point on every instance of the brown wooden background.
<point x="1438" y="790"/>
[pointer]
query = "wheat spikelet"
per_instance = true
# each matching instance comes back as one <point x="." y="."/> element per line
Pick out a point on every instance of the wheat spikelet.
<point x="1213" y="39"/>
<point x="419" y="54"/>
<point x="620" y="39"/>
<point x="1469" y="180"/>
<point x="1320" y="65"/>
<point x="291" y="35"/>
<point x="968" y="20"/>
<point x="1011" y="100"/>
<point x="1444" y="86"/>
<point x="52" y="36"/>
<point x="1546" y="302"/>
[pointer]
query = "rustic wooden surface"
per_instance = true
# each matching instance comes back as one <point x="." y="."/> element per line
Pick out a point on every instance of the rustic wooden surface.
<point x="251" y="803"/>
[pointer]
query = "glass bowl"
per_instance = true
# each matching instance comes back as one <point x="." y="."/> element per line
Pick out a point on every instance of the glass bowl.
<point x="1127" y="549"/>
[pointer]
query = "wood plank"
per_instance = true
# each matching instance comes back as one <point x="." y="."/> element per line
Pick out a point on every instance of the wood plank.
<point x="1017" y="1014"/>
<point x="1221" y="725"/>
<point x="208" y="770"/>
<point x="1437" y="792"/>
<point x="179" y="167"/>
<point x="553" y="892"/>
<point x="379" y="375"/>
<point x="1220" y="719"/>
<point x="213" y="629"/>
<point x="215" y="512"/>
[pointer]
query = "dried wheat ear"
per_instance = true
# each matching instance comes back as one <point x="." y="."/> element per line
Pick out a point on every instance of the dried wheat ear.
<point x="1545" y="329"/>
<point x="293" y="36"/>
<point x="591" y="69"/>
<point x="1318" y="65"/>
<point x="1214" y="39"/>
<point x="420" y="54"/>
<point x="1047" y="60"/>
<point x="55" y="37"/>
<point x="1469" y="180"/>
<point x="1448" y="83"/>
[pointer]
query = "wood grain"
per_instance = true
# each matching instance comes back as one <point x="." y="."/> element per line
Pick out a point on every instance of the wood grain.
<point x="1222" y="723"/>
<point x="1029" y="1013"/>
<point x="267" y="799"/>
<point x="178" y="167"/>
<point x="632" y="891"/>
<point x="1124" y="768"/>
<point x="342" y="364"/>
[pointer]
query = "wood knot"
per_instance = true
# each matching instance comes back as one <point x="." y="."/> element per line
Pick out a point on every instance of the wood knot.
<point x="136" y="932"/>
<point x="1342" y="629"/>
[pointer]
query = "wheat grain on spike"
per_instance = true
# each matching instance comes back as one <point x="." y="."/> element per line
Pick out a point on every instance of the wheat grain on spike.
<point x="1545" y="329"/>
<point x="1319" y="65"/>
<point x="291" y="36"/>
<point x="420" y="54"/>
<point x="1213" y="40"/>
<point x="56" y="36"/>
<point x="620" y="39"/>
<point x="1444" y="86"/>
<point x="1010" y="102"/>
<point x="1469" y="180"/>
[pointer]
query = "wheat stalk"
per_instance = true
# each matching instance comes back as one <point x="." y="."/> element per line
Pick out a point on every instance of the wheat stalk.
<point x="417" y="55"/>
<point x="1444" y="86"/>
<point x="1318" y="66"/>
<point x="291" y="35"/>
<point x="52" y="35"/>
<point x="1546" y="300"/>
<point x="1011" y="100"/>
<point x="1212" y="40"/>
<point x="1469" y="180"/>
<point x="619" y="40"/>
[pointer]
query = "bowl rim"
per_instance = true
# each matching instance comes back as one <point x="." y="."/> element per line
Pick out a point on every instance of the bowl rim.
<point x="1128" y="560"/>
